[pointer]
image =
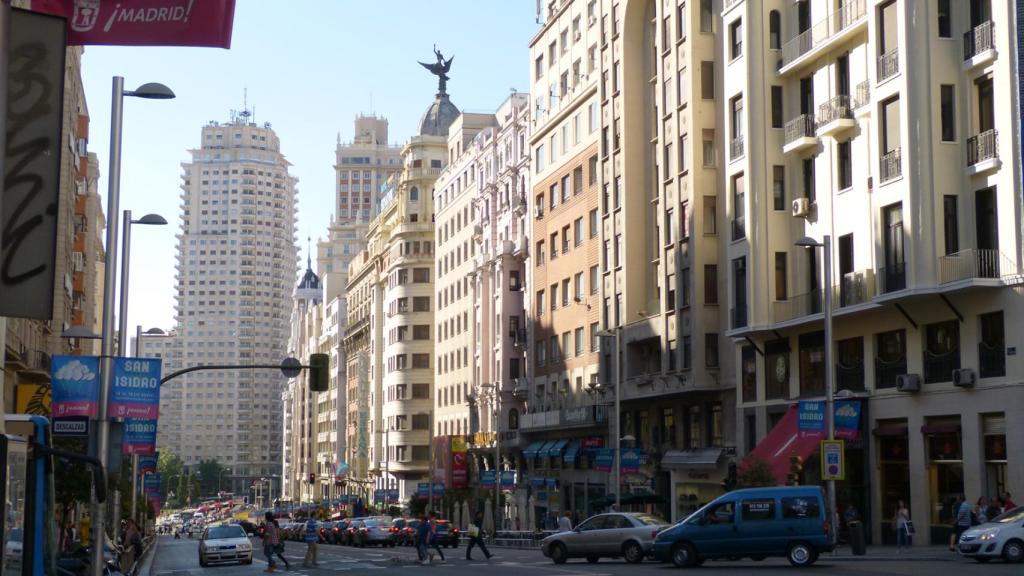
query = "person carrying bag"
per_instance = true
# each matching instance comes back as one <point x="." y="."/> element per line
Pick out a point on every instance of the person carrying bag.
<point x="474" y="537"/>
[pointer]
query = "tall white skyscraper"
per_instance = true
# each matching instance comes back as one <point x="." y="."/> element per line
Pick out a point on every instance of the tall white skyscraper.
<point x="236" y="267"/>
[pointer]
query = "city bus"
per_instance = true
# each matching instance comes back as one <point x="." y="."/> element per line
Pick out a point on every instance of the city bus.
<point x="27" y="491"/>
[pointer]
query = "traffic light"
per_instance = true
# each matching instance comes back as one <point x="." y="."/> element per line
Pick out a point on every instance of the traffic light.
<point x="796" y="469"/>
<point x="319" y="366"/>
<point x="312" y="478"/>
<point x="729" y="484"/>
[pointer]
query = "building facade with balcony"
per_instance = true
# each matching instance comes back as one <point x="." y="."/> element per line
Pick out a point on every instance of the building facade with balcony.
<point x="664" y="156"/>
<point x="879" y="124"/>
<point x="481" y="321"/>
<point x="235" y="266"/>
<point x="563" y="275"/>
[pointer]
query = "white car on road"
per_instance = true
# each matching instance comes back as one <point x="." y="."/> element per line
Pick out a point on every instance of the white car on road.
<point x="1003" y="536"/>
<point x="224" y="543"/>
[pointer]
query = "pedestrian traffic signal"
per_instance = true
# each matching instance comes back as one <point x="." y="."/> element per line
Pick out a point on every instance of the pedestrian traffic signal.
<point x="796" y="469"/>
<point x="312" y="478"/>
<point x="319" y="365"/>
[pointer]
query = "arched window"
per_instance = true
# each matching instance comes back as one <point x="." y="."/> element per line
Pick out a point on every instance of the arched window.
<point x="513" y="419"/>
<point x="414" y="194"/>
<point x="774" y="30"/>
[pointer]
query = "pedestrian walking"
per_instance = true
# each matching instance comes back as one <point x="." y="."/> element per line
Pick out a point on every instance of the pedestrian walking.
<point x="311" y="537"/>
<point x="475" y="538"/>
<point x="961" y="520"/>
<point x="980" y="511"/>
<point x="901" y="520"/>
<point x="565" y="522"/>
<point x="422" y="537"/>
<point x="270" y="541"/>
<point x="433" y="538"/>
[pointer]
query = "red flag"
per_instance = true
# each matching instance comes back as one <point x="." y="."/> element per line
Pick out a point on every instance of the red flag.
<point x="144" y="22"/>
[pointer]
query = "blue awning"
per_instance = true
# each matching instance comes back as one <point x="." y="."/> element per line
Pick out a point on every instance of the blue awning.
<point x="571" y="452"/>
<point x="555" y="450"/>
<point x="532" y="449"/>
<point x="543" y="452"/>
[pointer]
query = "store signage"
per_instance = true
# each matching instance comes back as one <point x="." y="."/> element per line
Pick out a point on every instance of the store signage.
<point x="811" y="417"/>
<point x="135" y="389"/>
<point x="71" y="426"/>
<point x="75" y="385"/>
<point x="578" y="415"/>
<point x="604" y="459"/>
<point x="847" y="419"/>
<point x="591" y="442"/>
<point x="833" y="461"/>
<point x="487" y="478"/>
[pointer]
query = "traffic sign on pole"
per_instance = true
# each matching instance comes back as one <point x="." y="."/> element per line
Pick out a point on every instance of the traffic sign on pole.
<point x="833" y="460"/>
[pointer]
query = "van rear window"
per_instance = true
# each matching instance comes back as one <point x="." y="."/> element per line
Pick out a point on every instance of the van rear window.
<point x="763" y="509"/>
<point x="801" y="507"/>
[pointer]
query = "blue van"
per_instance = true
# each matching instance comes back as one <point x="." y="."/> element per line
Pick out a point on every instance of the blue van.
<point x="790" y="521"/>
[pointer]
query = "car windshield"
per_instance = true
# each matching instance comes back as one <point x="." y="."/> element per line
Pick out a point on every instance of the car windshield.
<point x="442" y="526"/>
<point x="220" y="532"/>
<point x="649" y="520"/>
<point x="373" y="523"/>
<point x="1010" y="516"/>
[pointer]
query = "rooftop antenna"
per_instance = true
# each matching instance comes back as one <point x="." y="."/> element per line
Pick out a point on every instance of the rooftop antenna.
<point x="309" y="258"/>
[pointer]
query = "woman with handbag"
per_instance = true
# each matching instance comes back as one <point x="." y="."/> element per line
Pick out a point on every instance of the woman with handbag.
<point x="272" y="544"/>
<point x="474" y="537"/>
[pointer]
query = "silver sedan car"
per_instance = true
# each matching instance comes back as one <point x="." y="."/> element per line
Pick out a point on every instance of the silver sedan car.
<point x="619" y="534"/>
<point x="224" y="543"/>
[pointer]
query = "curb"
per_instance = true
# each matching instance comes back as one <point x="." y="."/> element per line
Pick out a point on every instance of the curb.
<point x="148" y="556"/>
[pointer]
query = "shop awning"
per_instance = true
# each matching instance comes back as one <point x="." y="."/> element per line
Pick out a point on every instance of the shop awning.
<point x="542" y="452"/>
<point x="784" y="441"/>
<point x="701" y="458"/>
<point x="571" y="452"/>
<point x="555" y="450"/>
<point x="890" y="431"/>
<point x="531" y="450"/>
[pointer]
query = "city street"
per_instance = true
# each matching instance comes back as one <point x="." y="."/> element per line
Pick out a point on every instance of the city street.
<point x="180" y="558"/>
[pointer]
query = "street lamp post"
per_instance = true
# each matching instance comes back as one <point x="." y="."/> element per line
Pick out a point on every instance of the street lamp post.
<point x="830" y="418"/>
<point x="220" y="477"/>
<point x="149" y="91"/>
<point x="617" y="334"/>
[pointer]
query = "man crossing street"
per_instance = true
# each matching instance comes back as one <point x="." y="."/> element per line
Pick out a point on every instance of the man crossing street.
<point x="311" y="537"/>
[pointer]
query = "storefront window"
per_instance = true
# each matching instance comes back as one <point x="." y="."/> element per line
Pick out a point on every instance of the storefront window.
<point x="993" y="427"/>
<point x="893" y="472"/>
<point x="693" y="439"/>
<point x="668" y="425"/>
<point x="945" y="473"/>
<point x="690" y="496"/>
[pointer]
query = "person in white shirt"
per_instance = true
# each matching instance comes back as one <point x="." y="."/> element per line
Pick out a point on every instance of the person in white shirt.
<point x="565" y="522"/>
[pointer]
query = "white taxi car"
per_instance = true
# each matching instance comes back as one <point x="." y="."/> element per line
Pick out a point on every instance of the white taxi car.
<point x="224" y="543"/>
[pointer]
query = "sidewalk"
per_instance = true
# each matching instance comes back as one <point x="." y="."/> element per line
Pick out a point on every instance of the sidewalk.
<point x="891" y="554"/>
<point x="148" y="556"/>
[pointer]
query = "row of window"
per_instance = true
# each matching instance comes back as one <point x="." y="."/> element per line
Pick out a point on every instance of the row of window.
<point x="577" y="292"/>
<point x="572" y="237"/>
<point x="561" y="347"/>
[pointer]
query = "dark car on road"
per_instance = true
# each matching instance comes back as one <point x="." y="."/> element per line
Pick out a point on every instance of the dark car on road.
<point x="445" y="534"/>
<point x="374" y="532"/>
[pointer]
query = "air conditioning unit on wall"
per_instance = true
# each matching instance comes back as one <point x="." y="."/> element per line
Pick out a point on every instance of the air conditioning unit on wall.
<point x="802" y="207"/>
<point x="908" y="383"/>
<point x="964" y="378"/>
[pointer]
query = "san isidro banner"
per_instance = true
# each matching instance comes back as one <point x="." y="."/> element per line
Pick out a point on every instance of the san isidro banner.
<point x="135" y="389"/>
<point x="139" y="436"/>
<point x="147" y="464"/>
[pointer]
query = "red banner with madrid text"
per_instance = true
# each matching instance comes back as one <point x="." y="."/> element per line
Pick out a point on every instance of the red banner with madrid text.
<point x="144" y="22"/>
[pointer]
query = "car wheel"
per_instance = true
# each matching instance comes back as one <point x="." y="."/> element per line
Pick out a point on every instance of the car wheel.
<point x="593" y="559"/>
<point x="801" y="554"/>
<point x="683" y="555"/>
<point x="558" y="553"/>
<point x="1013" y="551"/>
<point x="632" y="552"/>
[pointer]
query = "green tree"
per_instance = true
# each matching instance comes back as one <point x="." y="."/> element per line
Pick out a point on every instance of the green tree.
<point x="170" y="468"/>
<point x="71" y="480"/>
<point x="753" y="472"/>
<point x="209" y="477"/>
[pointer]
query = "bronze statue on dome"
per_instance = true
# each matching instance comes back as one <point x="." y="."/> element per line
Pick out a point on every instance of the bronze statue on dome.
<point x="440" y="69"/>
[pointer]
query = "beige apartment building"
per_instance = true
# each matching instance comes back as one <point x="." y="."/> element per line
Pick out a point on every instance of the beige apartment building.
<point x="480" y="199"/>
<point x="890" y="128"/>
<point x="236" y="260"/>
<point x="626" y="116"/>
<point x="389" y="347"/>
<point x="564" y="411"/>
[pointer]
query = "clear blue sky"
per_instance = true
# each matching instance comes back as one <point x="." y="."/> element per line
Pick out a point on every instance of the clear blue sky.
<point x="309" y="67"/>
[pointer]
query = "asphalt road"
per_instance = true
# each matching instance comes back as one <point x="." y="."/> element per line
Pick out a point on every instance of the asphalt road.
<point x="181" y="558"/>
